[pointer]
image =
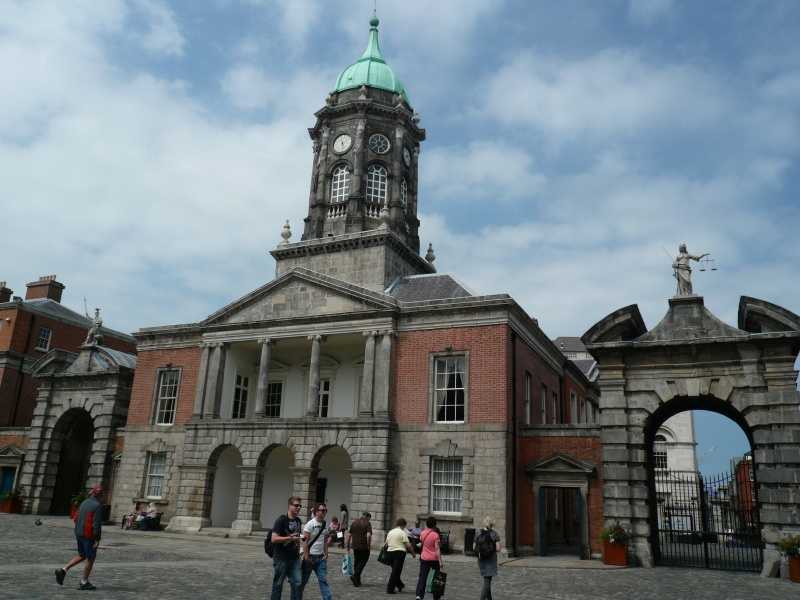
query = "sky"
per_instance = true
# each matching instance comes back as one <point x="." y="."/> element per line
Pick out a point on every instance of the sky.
<point x="151" y="150"/>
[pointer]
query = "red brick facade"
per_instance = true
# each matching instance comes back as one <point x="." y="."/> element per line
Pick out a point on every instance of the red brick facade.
<point x="144" y="383"/>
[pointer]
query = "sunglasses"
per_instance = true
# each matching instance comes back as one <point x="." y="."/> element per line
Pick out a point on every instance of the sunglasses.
<point x="297" y="505"/>
<point x="322" y="510"/>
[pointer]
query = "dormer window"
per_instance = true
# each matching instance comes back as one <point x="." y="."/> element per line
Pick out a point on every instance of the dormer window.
<point x="376" y="184"/>
<point x="340" y="185"/>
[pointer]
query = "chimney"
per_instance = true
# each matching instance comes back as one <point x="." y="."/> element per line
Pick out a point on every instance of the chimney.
<point x="5" y="293"/>
<point x="46" y="287"/>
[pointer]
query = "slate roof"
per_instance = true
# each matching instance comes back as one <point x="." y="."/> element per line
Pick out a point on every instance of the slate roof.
<point x="419" y="288"/>
<point x="588" y="367"/>
<point x="569" y="344"/>
<point x="51" y="308"/>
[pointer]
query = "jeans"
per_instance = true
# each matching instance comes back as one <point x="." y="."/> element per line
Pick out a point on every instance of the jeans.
<point x="360" y="558"/>
<point x="425" y="567"/>
<point x="320" y="567"/>
<point x="290" y="569"/>
<point x="398" y="557"/>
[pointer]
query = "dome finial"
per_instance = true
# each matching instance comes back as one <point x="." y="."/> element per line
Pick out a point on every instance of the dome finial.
<point x="373" y="22"/>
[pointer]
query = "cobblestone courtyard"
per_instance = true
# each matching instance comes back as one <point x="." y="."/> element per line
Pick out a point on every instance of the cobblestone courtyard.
<point x="154" y="566"/>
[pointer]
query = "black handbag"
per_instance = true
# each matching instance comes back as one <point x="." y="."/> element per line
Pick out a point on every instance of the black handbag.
<point x="383" y="556"/>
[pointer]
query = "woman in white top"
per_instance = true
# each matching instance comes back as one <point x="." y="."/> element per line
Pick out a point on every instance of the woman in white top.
<point x="397" y="542"/>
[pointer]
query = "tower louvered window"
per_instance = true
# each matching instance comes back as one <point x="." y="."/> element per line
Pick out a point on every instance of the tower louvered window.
<point x="376" y="184"/>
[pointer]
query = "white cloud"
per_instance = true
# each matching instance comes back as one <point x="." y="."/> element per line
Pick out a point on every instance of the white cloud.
<point x="648" y="12"/>
<point x="484" y="169"/>
<point x="163" y="35"/>
<point x="611" y="95"/>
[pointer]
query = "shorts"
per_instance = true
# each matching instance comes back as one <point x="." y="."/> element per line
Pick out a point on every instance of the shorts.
<point x="86" y="547"/>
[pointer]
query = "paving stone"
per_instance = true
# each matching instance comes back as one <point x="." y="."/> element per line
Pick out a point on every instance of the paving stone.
<point x="160" y="566"/>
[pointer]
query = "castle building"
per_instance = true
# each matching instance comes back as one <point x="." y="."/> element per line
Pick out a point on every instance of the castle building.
<point x="360" y="375"/>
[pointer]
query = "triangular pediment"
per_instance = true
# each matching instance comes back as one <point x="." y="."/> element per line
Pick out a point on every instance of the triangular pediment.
<point x="301" y="293"/>
<point x="561" y="463"/>
<point x="11" y="451"/>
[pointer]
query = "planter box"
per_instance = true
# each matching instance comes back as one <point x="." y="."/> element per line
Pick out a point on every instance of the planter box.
<point x="615" y="554"/>
<point x="11" y="506"/>
<point x="794" y="569"/>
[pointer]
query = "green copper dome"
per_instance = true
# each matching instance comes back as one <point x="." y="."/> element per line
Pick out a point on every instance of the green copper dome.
<point x="371" y="69"/>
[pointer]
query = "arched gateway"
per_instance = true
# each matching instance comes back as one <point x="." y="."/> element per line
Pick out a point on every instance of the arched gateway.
<point x="692" y="360"/>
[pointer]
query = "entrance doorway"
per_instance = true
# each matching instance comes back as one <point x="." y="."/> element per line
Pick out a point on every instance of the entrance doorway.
<point x="73" y="461"/>
<point x="560" y="521"/>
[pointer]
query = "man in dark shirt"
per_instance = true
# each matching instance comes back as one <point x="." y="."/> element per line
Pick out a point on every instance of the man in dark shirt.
<point x="88" y="530"/>
<point x="360" y="536"/>
<point x="286" y="535"/>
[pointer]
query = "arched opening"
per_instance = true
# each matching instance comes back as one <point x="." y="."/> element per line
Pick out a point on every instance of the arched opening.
<point x="75" y="433"/>
<point x="702" y="516"/>
<point x="227" y="483"/>
<point x="333" y="480"/>
<point x="278" y="484"/>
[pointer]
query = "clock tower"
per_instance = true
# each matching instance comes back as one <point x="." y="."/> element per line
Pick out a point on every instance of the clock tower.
<point x="362" y="224"/>
<point x="366" y="145"/>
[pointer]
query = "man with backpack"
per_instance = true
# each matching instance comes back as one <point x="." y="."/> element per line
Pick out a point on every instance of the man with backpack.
<point x="286" y="540"/>
<point x="315" y="551"/>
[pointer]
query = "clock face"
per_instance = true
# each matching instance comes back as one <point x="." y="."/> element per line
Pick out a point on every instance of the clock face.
<point x="379" y="144"/>
<point x="406" y="156"/>
<point x="342" y="143"/>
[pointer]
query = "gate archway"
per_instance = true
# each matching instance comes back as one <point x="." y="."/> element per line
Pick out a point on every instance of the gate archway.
<point x="701" y="521"/>
<point x="75" y="432"/>
<point x="692" y="360"/>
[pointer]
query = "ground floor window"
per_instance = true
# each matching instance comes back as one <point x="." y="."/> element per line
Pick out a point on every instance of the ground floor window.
<point x="156" y="468"/>
<point x="446" y="485"/>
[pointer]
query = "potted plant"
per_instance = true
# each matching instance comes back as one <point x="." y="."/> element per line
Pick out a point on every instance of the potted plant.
<point x="75" y="503"/>
<point x="791" y="546"/>
<point x="12" y="501"/>
<point x="615" y="544"/>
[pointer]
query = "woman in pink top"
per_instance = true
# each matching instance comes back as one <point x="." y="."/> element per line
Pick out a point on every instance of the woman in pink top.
<point x="430" y="557"/>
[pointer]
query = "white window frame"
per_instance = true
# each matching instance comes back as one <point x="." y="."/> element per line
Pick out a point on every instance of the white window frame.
<point x="377" y="184"/>
<point x="156" y="473"/>
<point x="340" y="184"/>
<point x="271" y="394"/>
<point x="241" y="395"/>
<point x="660" y="453"/>
<point x="527" y="398"/>
<point x="544" y="404"/>
<point x="162" y="400"/>
<point x="325" y="403"/>
<point x="573" y="407"/>
<point x="436" y="397"/>
<point x="43" y="339"/>
<point x="447" y="486"/>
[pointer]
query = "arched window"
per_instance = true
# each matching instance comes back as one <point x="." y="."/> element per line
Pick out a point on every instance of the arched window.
<point x="340" y="185"/>
<point x="376" y="184"/>
<point x="660" y="452"/>
<point x="403" y="192"/>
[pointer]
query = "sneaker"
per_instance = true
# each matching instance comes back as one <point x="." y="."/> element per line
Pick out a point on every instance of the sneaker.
<point x="60" y="574"/>
<point x="86" y="586"/>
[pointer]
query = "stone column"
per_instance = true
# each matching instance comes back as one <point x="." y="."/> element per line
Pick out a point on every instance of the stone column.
<point x="368" y="380"/>
<point x="370" y="492"/>
<point x="263" y="377"/>
<point x="305" y="486"/>
<point x="202" y="374"/>
<point x="383" y="374"/>
<point x="313" y="375"/>
<point x="193" y="501"/>
<point x="249" y="509"/>
<point x="215" y="374"/>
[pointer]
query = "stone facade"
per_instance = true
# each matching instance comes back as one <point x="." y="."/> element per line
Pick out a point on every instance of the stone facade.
<point x="691" y="360"/>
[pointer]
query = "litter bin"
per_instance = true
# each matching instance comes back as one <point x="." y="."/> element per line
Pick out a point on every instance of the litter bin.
<point x="469" y="539"/>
